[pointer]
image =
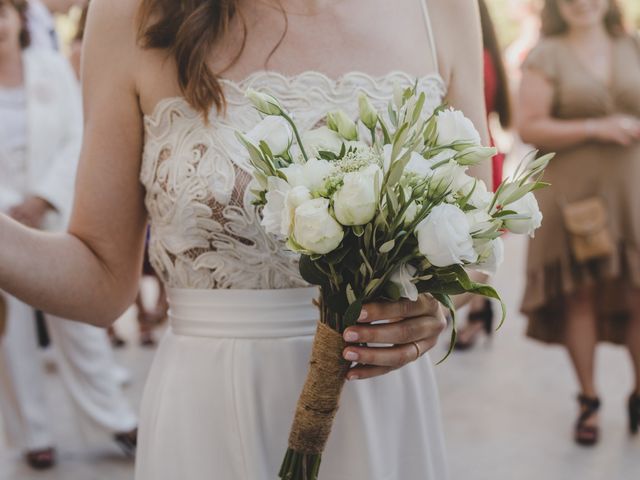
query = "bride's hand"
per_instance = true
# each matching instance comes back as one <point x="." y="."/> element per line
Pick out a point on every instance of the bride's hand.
<point x="413" y="329"/>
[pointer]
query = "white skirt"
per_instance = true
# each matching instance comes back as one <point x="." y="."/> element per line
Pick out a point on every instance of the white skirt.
<point x="221" y="395"/>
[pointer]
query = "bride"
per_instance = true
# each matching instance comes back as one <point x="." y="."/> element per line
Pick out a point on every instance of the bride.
<point x="163" y="88"/>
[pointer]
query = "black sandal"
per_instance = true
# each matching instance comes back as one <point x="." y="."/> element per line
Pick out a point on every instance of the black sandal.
<point x="587" y="435"/>
<point x="485" y="317"/>
<point x="128" y="442"/>
<point x="41" y="459"/>
<point x="634" y="413"/>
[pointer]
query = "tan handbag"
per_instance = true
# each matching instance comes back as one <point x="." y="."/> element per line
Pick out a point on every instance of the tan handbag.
<point x="3" y="315"/>
<point x="587" y="224"/>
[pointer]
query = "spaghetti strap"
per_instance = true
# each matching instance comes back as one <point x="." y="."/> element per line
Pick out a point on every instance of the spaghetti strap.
<point x="432" y="41"/>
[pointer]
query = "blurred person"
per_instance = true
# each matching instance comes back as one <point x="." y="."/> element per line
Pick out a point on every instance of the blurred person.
<point x="498" y="101"/>
<point x="40" y="137"/>
<point x="41" y="19"/>
<point x="580" y="96"/>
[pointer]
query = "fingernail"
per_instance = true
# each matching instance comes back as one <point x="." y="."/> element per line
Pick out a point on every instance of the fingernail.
<point x="363" y="315"/>
<point x="350" y="336"/>
<point x="351" y="356"/>
<point x="353" y="377"/>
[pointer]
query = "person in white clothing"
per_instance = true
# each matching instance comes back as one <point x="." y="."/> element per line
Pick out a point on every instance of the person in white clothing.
<point x="42" y="22"/>
<point x="40" y="137"/>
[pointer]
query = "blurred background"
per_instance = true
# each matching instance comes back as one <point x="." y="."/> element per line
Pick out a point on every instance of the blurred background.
<point x="507" y="401"/>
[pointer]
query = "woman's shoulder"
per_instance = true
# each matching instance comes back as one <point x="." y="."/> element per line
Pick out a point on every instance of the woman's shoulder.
<point x="545" y="56"/>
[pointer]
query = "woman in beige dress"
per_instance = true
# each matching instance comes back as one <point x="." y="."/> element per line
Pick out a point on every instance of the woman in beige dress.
<point x="580" y="97"/>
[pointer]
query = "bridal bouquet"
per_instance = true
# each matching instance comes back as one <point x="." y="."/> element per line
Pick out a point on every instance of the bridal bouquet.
<point x="380" y="208"/>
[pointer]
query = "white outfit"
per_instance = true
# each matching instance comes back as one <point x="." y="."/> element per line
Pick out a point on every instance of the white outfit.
<point x="42" y="26"/>
<point x="221" y="394"/>
<point x="40" y="137"/>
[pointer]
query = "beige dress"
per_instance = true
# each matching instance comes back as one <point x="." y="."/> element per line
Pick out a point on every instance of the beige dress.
<point x="586" y="170"/>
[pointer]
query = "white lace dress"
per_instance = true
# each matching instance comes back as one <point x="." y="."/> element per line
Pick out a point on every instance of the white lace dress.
<point x="222" y="392"/>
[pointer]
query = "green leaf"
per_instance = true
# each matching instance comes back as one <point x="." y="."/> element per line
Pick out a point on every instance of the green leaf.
<point x="352" y="313"/>
<point x="351" y="296"/>
<point x="358" y="230"/>
<point x="310" y="272"/>
<point x="445" y="300"/>
<point x="387" y="246"/>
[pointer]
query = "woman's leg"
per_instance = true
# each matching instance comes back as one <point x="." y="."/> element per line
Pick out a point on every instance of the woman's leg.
<point x="582" y="337"/>
<point x="633" y="337"/>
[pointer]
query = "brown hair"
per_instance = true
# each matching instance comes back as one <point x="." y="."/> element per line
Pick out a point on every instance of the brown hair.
<point x="21" y="6"/>
<point x="490" y="41"/>
<point x="188" y="30"/>
<point x="554" y="24"/>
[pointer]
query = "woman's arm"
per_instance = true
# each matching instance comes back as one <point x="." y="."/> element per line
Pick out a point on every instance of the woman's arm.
<point x="538" y="127"/>
<point x="91" y="273"/>
<point x="456" y="25"/>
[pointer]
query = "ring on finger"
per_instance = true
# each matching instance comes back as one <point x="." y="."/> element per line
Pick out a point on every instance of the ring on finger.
<point x="418" y="351"/>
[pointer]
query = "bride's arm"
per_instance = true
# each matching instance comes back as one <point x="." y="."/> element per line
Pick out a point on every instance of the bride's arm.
<point x="91" y="272"/>
<point x="458" y="33"/>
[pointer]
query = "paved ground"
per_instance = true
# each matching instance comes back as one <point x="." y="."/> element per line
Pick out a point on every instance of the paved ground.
<point x="508" y="410"/>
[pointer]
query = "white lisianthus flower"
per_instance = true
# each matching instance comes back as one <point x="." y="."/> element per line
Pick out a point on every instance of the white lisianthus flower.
<point x="454" y="127"/>
<point x="446" y="154"/>
<point x="402" y="277"/>
<point x="444" y="238"/>
<point x="322" y="139"/>
<point x="368" y="113"/>
<point x="340" y="122"/>
<point x="450" y="176"/>
<point x="273" y="212"/>
<point x="490" y="256"/>
<point x="481" y="196"/>
<point x="314" y="229"/>
<point x="527" y="205"/>
<point x="476" y="155"/>
<point x="479" y="221"/>
<point x="294" y="198"/>
<point x="275" y="132"/>
<point x="356" y="202"/>
<point x="264" y="102"/>
<point x="311" y="174"/>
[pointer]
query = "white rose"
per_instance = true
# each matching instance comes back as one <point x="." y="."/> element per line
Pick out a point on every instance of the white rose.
<point x="527" y="205"/>
<point x="444" y="238"/>
<point x="273" y="211"/>
<point x="356" y="202"/>
<point x="322" y="139"/>
<point x="294" y="198"/>
<point x="275" y="132"/>
<point x="311" y="174"/>
<point x="491" y="256"/>
<point x="315" y="229"/>
<point x="454" y="127"/>
<point x="481" y="196"/>
<point x="402" y="278"/>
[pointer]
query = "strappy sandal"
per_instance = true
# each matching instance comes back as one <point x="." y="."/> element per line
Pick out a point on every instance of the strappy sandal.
<point x="128" y="442"/>
<point x="587" y="435"/>
<point x="41" y="459"/>
<point x="484" y="317"/>
<point x="634" y="413"/>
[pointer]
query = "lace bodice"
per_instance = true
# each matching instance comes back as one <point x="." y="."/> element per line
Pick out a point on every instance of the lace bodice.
<point x="205" y="232"/>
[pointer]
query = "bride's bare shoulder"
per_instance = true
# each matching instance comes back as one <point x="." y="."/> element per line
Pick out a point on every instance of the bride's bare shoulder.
<point x="114" y="42"/>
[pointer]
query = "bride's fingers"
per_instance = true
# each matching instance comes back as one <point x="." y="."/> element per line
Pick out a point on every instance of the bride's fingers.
<point x="397" y="333"/>
<point x="425" y="305"/>
<point x="396" y="356"/>
<point x="361" y="372"/>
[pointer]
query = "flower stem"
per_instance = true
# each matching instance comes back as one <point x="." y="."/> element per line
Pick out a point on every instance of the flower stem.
<point x="297" y="134"/>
